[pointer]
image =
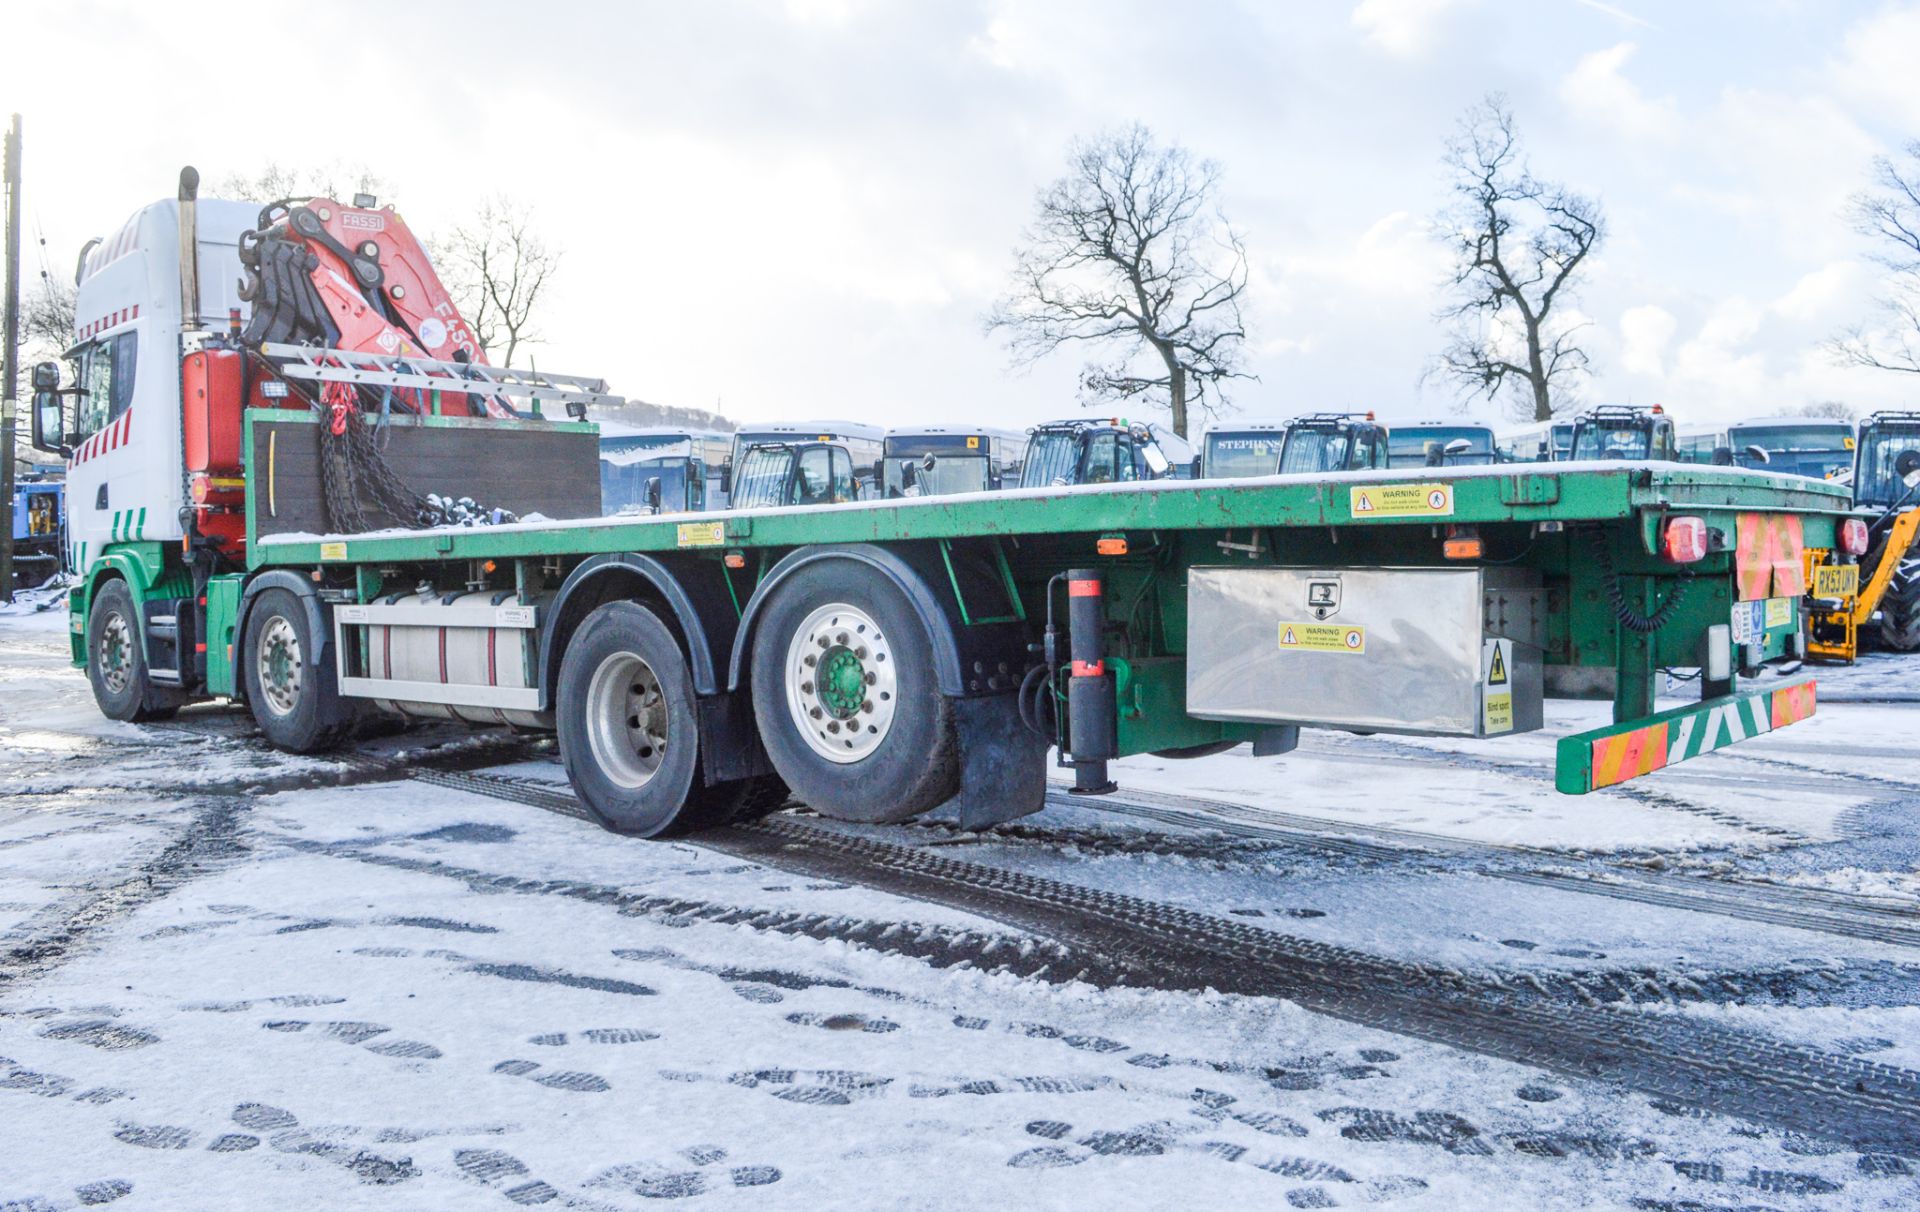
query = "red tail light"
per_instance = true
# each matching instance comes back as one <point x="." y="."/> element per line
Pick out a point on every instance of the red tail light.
<point x="1853" y="536"/>
<point x="1684" y="540"/>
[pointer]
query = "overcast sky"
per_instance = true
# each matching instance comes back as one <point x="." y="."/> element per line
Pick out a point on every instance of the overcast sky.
<point x="802" y="208"/>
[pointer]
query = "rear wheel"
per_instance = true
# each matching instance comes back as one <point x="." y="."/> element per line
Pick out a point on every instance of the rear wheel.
<point x="630" y="736"/>
<point x="1900" y="608"/>
<point x="294" y="696"/>
<point x="117" y="660"/>
<point x="846" y="700"/>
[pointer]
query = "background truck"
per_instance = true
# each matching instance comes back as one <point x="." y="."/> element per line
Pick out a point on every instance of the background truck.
<point x="39" y="531"/>
<point x="266" y="534"/>
<point x="1439" y="444"/>
<point x="1624" y="431"/>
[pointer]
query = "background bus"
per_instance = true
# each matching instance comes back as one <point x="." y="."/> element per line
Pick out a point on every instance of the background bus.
<point x="949" y="458"/>
<point x="1800" y="446"/>
<point x="1540" y="442"/>
<point x="1245" y="448"/>
<point x="684" y="460"/>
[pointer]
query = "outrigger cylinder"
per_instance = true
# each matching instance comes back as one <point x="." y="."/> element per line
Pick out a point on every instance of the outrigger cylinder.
<point x="1092" y="732"/>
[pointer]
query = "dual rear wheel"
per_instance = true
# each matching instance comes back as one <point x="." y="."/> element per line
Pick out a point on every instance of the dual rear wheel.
<point x="843" y="692"/>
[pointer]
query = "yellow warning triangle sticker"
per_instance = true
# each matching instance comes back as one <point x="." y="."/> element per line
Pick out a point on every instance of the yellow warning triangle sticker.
<point x="1287" y="637"/>
<point x="1364" y="505"/>
<point x="1497" y="672"/>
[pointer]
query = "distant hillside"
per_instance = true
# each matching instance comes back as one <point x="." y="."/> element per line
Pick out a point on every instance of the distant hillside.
<point x="639" y="412"/>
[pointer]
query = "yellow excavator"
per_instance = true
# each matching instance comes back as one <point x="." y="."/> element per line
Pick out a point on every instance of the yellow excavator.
<point x="1848" y="591"/>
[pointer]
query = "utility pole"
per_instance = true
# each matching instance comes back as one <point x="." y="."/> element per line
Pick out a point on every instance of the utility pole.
<point x="9" y="386"/>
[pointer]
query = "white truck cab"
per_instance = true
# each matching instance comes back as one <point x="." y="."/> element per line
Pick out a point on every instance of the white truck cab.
<point x="124" y="478"/>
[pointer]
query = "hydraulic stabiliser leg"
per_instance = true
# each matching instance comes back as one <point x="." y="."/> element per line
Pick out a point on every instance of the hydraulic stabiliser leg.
<point x="1092" y="727"/>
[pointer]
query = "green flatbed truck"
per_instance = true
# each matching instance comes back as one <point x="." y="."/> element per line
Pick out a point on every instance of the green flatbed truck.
<point x="881" y="659"/>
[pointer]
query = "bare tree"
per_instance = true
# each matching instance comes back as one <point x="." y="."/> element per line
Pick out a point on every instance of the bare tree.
<point x="1888" y="213"/>
<point x="46" y="319"/>
<point x="1129" y="251"/>
<point x="498" y="268"/>
<point x="1518" y="244"/>
<point x="1827" y="410"/>
<point x="274" y="181"/>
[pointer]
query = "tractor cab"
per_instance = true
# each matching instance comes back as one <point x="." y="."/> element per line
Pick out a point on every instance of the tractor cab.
<point x="1887" y="449"/>
<point x="1333" y="441"/>
<point x="1063" y="453"/>
<point x="1625" y="431"/>
<point x="772" y="474"/>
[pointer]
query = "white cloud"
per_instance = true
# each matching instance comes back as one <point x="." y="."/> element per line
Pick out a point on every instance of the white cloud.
<point x="1599" y="92"/>
<point x="1644" y="333"/>
<point x="1402" y="28"/>
<point x="1880" y="64"/>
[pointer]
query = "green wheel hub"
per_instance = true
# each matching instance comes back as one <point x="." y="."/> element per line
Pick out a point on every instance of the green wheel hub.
<point x="842" y="690"/>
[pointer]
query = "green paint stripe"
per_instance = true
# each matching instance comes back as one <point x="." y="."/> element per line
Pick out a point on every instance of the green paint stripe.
<point x="140" y="527"/>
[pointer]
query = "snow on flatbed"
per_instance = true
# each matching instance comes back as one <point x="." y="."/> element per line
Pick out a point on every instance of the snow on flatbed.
<point x="403" y="995"/>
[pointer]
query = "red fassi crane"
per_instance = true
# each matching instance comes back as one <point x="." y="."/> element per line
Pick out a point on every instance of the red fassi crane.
<point x="355" y="278"/>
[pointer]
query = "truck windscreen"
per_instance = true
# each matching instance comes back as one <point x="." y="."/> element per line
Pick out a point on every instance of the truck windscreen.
<point x="1801" y="450"/>
<point x="1412" y="447"/>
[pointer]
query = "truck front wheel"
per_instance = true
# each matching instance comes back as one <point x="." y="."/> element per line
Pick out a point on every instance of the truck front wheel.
<point x="117" y="660"/>
<point x="294" y="697"/>
<point x="630" y="734"/>
<point x="846" y="700"/>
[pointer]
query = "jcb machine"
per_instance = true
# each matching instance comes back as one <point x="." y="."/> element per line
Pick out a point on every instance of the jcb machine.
<point x="283" y="496"/>
<point x="1112" y="451"/>
<point x="1333" y="441"/>
<point x="1885" y="579"/>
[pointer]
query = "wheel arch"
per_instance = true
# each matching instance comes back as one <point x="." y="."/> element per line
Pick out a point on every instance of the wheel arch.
<point x="949" y="671"/>
<point x="303" y="592"/>
<point x="631" y="577"/>
<point x="142" y="566"/>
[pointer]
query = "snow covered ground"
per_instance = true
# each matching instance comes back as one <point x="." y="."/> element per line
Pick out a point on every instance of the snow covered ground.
<point x="231" y="979"/>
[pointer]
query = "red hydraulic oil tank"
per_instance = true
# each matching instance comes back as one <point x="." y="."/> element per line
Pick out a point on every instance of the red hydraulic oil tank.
<point x="210" y="384"/>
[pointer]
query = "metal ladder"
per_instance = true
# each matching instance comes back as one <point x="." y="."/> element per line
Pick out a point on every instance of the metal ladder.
<point x="314" y="362"/>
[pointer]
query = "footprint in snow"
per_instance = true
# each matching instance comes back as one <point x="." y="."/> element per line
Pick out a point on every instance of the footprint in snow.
<point x="569" y="1080"/>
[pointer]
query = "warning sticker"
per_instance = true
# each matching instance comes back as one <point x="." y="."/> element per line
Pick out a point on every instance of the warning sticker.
<point x="1496" y="693"/>
<point x="701" y="534"/>
<point x="333" y="551"/>
<point x="1779" y="612"/>
<point x="1401" y="501"/>
<point x="1836" y="580"/>
<point x="1322" y="637"/>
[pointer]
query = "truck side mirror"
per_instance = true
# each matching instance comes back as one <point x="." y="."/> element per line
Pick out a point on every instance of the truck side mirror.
<point x="1906" y="464"/>
<point x="909" y="476"/>
<point x="1723" y="456"/>
<point x="46" y="376"/>
<point x="49" y="424"/>
<point x="726" y="477"/>
<point x="1459" y="446"/>
<point x="1759" y="455"/>
<point x="653" y="494"/>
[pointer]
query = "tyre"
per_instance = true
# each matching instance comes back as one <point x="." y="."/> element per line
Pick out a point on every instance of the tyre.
<point x="630" y="735"/>
<point x="294" y="697"/>
<point x="1900" y="609"/>
<point x="117" y="660"/>
<point x="1190" y="752"/>
<point x="845" y="697"/>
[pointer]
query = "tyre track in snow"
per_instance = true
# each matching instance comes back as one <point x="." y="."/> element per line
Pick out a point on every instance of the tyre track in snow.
<point x="1112" y="938"/>
<point x="1771" y="904"/>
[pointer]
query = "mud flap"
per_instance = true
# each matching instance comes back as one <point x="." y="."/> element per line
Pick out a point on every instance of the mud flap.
<point x="1003" y="766"/>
